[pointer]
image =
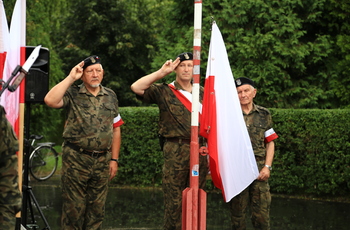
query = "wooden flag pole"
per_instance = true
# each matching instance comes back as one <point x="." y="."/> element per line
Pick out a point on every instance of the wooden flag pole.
<point x="195" y="199"/>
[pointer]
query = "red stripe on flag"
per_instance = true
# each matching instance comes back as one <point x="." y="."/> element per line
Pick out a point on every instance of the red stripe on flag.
<point x="208" y="129"/>
<point x="2" y="63"/>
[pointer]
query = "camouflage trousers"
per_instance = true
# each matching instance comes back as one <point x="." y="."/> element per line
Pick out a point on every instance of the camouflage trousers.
<point x="84" y="190"/>
<point x="10" y="196"/>
<point x="257" y="196"/>
<point x="176" y="174"/>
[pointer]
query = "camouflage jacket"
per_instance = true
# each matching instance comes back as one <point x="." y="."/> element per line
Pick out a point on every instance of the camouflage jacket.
<point x="258" y="121"/>
<point x="10" y="196"/>
<point x="8" y="138"/>
<point x="174" y="118"/>
<point x="89" y="119"/>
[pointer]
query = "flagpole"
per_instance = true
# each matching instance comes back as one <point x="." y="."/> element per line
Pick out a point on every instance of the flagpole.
<point x="194" y="199"/>
<point x="22" y="92"/>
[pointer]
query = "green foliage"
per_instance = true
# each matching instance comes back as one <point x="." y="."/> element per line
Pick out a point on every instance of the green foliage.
<point x="294" y="50"/>
<point x="177" y="34"/>
<point x="338" y="15"/>
<point x="120" y="32"/>
<point x="312" y="154"/>
<point x="271" y="42"/>
<point x="41" y="29"/>
<point x="140" y="155"/>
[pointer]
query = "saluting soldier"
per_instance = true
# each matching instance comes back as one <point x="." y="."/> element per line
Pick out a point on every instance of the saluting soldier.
<point x="257" y="196"/>
<point x="92" y="140"/>
<point x="174" y="102"/>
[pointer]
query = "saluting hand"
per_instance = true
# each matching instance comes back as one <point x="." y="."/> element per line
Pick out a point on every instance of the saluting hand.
<point x="169" y="66"/>
<point x="77" y="71"/>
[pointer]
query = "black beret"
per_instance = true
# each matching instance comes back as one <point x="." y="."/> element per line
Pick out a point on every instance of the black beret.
<point x="92" y="60"/>
<point x="244" y="81"/>
<point x="185" y="56"/>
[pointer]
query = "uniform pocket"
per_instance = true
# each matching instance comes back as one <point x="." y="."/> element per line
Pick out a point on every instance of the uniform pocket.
<point x="176" y="107"/>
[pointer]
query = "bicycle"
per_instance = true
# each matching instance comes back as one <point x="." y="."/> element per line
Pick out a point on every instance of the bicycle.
<point x="43" y="160"/>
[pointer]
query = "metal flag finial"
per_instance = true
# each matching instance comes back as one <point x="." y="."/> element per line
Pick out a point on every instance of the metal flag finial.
<point x="212" y="20"/>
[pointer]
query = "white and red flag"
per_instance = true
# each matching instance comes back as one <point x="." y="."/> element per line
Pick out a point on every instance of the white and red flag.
<point x="15" y="48"/>
<point x="232" y="162"/>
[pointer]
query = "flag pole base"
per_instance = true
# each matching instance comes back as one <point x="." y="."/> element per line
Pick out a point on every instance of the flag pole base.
<point x="194" y="214"/>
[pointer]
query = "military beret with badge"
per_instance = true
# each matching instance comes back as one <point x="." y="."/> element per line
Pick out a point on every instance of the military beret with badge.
<point x="92" y="60"/>
<point x="244" y="81"/>
<point x="185" y="56"/>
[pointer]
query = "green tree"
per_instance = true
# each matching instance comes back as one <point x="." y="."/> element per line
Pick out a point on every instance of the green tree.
<point x="337" y="19"/>
<point x="42" y="25"/>
<point x="295" y="50"/>
<point x="121" y="32"/>
<point x="273" y="44"/>
<point x="177" y="34"/>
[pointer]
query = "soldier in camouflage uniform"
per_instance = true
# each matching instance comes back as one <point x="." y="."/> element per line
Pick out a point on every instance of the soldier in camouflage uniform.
<point x="257" y="196"/>
<point x="174" y="130"/>
<point x="10" y="196"/>
<point x="91" y="145"/>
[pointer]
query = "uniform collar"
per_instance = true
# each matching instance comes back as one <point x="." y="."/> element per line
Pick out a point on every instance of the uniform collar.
<point x="254" y="109"/>
<point x="177" y="85"/>
<point x="83" y="89"/>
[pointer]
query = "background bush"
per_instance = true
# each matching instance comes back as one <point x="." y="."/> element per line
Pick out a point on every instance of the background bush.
<point x="140" y="156"/>
<point x="312" y="152"/>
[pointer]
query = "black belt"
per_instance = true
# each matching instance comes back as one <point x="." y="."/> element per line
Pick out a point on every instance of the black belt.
<point x="178" y="140"/>
<point x="201" y="140"/>
<point x="92" y="153"/>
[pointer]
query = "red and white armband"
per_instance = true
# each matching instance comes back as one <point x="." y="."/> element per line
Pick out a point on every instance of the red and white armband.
<point x="117" y="121"/>
<point x="270" y="135"/>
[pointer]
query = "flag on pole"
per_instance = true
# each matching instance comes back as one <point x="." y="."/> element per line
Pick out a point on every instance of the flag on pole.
<point x="15" y="56"/>
<point x="232" y="163"/>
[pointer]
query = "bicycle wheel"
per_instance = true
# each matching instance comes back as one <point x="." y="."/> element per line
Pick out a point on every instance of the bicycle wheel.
<point x="43" y="162"/>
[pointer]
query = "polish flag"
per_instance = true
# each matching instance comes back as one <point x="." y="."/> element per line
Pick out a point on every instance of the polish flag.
<point x="15" y="56"/>
<point x="232" y="163"/>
